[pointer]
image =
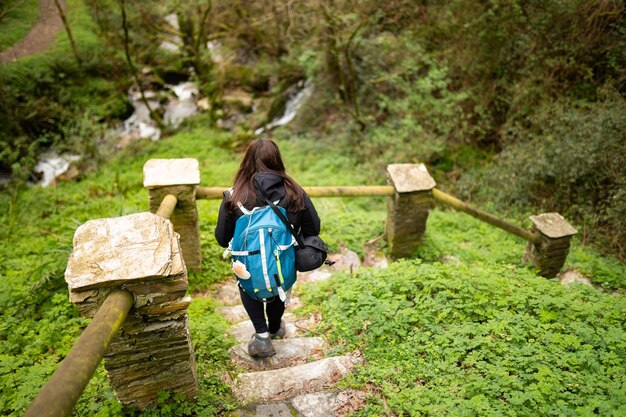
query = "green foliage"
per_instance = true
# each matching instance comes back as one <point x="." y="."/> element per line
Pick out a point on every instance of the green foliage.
<point x="572" y="162"/>
<point x="16" y="19"/>
<point x="513" y="55"/>
<point x="47" y="97"/>
<point x="38" y="325"/>
<point x="413" y="110"/>
<point x="476" y="339"/>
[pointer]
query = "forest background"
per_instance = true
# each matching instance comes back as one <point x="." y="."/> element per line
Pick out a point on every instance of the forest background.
<point x="515" y="106"/>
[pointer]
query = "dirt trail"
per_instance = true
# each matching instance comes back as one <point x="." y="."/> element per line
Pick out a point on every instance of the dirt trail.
<point x="41" y="35"/>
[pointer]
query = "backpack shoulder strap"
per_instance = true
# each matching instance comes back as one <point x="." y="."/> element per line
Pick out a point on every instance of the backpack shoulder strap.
<point x="241" y="206"/>
<point x="284" y="219"/>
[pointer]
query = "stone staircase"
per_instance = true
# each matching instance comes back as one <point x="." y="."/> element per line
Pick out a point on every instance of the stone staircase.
<point x="299" y="380"/>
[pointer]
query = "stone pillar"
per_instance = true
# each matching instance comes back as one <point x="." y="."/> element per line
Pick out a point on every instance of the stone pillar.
<point x="407" y="210"/>
<point x="179" y="177"/>
<point x="555" y="233"/>
<point x="141" y="254"/>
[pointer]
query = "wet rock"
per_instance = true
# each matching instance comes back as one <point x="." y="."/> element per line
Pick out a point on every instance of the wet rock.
<point x="140" y="125"/>
<point x="571" y="275"/>
<point x="51" y="169"/>
<point x="173" y="42"/>
<point x="178" y="110"/>
<point x="185" y="90"/>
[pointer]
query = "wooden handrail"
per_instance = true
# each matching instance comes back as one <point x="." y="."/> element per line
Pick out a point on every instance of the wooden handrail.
<point x="59" y="395"/>
<point x="459" y="205"/>
<point x="216" y="193"/>
<point x="167" y="206"/>
<point x="213" y="193"/>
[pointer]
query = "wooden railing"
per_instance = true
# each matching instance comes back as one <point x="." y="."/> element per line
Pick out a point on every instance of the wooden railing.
<point x="411" y="195"/>
<point x="213" y="193"/>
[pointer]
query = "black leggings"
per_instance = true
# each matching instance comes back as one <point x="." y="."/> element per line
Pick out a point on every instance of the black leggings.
<point x="257" y="309"/>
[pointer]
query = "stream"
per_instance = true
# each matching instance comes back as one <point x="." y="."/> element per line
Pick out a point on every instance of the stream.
<point x="176" y="102"/>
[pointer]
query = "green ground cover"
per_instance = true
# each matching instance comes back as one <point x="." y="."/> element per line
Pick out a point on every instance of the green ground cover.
<point x="493" y="290"/>
<point x="474" y="338"/>
<point x="16" y="19"/>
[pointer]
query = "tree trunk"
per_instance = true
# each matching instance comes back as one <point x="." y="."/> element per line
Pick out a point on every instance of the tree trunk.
<point x="68" y="30"/>
<point x="154" y="115"/>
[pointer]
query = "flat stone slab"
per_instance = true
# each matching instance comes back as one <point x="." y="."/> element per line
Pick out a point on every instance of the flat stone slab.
<point x="317" y="275"/>
<point x="228" y="293"/>
<point x="408" y="178"/>
<point x="265" y="410"/>
<point x="553" y="225"/>
<point x="283" y="383"/>
<point x="329" y="403"/>
<point x="234" y="314"/>
<point x="289" y="352"/>
<point x="345" y="260"/>
<point x="165" y="172"/>
<point x="123" y="249"/>
<point x="244" y="330"/>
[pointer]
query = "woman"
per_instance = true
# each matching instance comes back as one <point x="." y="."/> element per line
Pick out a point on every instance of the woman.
<point x="262" y="169"/>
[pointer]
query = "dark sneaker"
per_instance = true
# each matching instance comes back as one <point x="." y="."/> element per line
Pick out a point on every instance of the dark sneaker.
<point x="260" y="347"/>
<point x="280" y="334"/>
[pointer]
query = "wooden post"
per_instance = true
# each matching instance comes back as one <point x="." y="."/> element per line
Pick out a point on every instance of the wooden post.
<point x="548" y="254"/>
<point x="180" y="178"/>
<point x="141" y="254"/>
<point x="407" y="210"/>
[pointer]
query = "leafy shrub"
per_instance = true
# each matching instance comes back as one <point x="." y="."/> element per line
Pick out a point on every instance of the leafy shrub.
<point x="476" y="339"/>
<point x="572" y="162"/>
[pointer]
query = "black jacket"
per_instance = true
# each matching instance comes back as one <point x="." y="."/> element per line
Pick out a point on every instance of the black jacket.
<point x="306" y="221"/>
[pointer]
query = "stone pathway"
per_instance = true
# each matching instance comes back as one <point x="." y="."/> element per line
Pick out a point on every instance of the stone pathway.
<point x="40" y="37"/>
<point x="299" y="380"/>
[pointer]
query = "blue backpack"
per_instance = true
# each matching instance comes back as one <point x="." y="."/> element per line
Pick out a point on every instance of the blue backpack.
<point x="263" y="243"/>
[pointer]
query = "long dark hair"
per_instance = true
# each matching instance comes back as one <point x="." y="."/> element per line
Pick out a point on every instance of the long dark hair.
<point x="263" y="155"/>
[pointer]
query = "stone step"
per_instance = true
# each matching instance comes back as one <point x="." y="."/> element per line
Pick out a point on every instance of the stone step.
<point x="276" y="409"/>
<point x="227" y="292"/>
<point x="346" y="260"/>
<point x="289" y="352"/>
<point x="317" y="404"/>
<point x="329" y="403"/>
<point x="244" y="330"/>
<point x="234" y="314"/>
<point x="280" y="384"/>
